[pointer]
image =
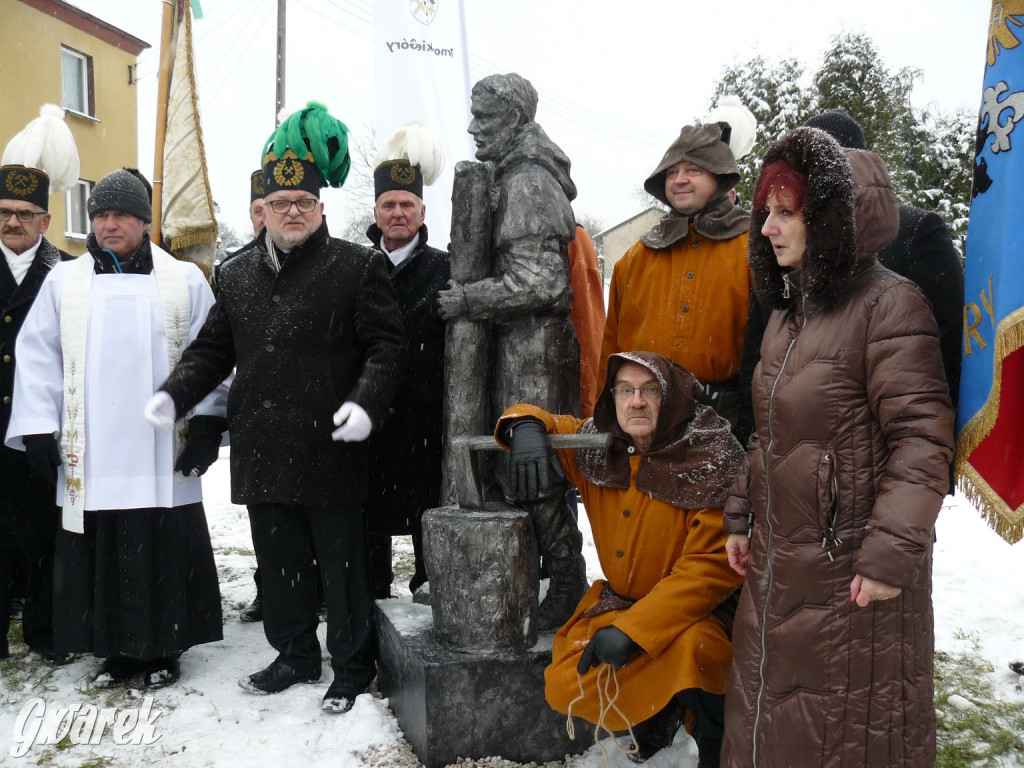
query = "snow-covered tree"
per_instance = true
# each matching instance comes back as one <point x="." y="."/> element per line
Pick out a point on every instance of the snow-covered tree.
<point x="929" y="154"/>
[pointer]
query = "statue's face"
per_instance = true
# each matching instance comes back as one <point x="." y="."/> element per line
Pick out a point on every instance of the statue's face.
<point x="492" y="127"/>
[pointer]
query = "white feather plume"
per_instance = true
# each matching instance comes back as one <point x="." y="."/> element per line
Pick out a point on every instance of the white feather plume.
<point x="417" y="144"/>
<point x="742" y="121"/>
<point x="46" y="143"/>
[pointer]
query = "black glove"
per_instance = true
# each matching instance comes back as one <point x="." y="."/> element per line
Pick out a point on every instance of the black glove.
<point x="529" y="459"/>
<point x="202" y="444"/>
<point x="43" y="456"/>
<point x="610" y="645"/>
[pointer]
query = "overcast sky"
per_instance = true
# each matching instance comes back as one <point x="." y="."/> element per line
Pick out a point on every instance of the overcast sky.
<point x="616" y="79"/>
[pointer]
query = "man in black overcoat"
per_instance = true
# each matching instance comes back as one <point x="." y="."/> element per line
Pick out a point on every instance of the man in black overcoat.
<point x="28" y="507"/>
<point x="309" y="323"/>
<point x="405" y="453"/>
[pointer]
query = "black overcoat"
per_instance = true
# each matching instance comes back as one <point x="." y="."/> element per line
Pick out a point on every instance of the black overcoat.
<point x="24" y="495"/>
<point x="323" y="330"/>
<point x="405" y="454"/>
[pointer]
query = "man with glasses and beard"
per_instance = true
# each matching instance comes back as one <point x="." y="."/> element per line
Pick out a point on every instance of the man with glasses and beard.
<point x="309" y="323"/>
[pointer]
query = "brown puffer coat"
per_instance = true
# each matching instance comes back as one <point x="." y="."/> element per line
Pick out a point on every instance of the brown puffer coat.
<point x="845" y="475"/>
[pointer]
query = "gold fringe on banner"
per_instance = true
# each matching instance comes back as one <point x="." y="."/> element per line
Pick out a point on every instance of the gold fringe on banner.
<point x="195" y="237"/>
<point x="1009" y="338"/>
<point x="1008" y="523"/>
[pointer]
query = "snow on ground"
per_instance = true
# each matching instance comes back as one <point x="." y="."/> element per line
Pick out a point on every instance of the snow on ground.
<point x="207" y="720"/>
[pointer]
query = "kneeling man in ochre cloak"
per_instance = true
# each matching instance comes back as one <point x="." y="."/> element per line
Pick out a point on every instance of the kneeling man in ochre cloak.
<point x="656" y="627"/>
<point x="134" y="576"/>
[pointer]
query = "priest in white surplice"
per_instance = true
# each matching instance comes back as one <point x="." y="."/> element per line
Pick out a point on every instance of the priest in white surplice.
<point x="134" y="576"/>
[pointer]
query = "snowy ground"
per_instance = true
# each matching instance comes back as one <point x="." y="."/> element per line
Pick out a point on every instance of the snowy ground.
<point x="207" y="720"/>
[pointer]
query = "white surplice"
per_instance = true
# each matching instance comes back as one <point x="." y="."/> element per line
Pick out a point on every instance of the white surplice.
<point x="128" y="464"/>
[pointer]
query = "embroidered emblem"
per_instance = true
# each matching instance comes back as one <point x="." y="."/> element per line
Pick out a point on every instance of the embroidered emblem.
<point x="21" y="183"/>
<point x="403" y="174"/>
<point x="288" y="173"/>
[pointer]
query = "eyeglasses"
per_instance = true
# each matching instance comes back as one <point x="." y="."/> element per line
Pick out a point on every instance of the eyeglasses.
<point x="647" y="391"/>
<point x="305" y="205"/>
<point x="23" y="216"/>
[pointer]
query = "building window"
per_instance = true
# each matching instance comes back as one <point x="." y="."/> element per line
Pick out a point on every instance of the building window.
<point x="76" y="81"/>
<point x="77" y="212"/>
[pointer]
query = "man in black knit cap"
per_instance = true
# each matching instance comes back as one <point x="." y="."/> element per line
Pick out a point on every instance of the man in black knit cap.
<point x="134" y="577"/>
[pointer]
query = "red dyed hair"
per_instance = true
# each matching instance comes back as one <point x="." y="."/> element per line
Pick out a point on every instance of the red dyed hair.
<point x="787" y="183"/>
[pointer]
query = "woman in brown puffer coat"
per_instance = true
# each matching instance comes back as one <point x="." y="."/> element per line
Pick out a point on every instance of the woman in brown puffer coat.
<point x="831" y="519"/>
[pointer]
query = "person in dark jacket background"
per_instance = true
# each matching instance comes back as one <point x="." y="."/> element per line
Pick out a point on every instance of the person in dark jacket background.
<point x="308" y="322"/>
<point x="831" y="518"/>
<point x="28" y="509"/>
<point x="405" y="451"/>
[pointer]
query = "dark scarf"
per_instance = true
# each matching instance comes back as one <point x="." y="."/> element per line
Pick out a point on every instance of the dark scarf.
<point x="721" y="219"/>
<point x="693" y="456"/>
<point x="139" y="263"/>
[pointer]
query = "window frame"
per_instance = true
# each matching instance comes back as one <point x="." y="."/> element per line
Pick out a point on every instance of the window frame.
<point x="69" y="233"/>
<point x="86" y="68"/>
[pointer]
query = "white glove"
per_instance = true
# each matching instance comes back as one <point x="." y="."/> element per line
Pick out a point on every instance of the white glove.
<point x="352" y="422"/>
<point x="159" y="411"/>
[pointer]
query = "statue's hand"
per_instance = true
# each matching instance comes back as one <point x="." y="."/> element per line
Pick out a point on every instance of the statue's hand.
<point x="451" y="303"/>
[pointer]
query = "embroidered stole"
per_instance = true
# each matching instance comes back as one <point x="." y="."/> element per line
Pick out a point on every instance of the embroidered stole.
<point x="74" y="328"/>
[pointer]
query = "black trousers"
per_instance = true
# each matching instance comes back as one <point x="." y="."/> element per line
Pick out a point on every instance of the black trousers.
<point x="35" y="556"/>
<point x="29" y="519"/>
<point x="281" y="535"/>
<point x="708" y="712"/>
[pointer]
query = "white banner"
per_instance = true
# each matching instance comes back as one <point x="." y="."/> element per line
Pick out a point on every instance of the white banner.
<point x="421" y="66"/>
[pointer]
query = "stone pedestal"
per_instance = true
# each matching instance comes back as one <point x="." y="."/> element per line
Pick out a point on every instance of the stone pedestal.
<point x="482" y="567"/>
<point x="453" y="704"/>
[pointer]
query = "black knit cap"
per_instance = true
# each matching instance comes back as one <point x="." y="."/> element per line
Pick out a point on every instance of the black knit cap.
<point x="121" y="191"/>
<point x="18" y="182"/>
<point x="841" y="127"/>
<point x="397" y="174"/>
<point x="256" y="191"/>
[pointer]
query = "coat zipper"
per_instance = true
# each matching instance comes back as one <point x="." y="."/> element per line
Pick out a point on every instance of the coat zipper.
<point x="768" y="521"/>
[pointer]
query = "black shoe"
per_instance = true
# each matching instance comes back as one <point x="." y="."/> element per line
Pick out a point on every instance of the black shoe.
<point x="17" y="607"/>
<point x="565" y="590"/>
<point x="653" y="735"/>
<point x="252" y="612"/>
<point x="1017" y="666"/>
<point x="57" y="659"/>
<point x="339" y="697"/>
<point x="161" y="672"/>
<point x="116" y="670"/>
<point x="276" y="678"/>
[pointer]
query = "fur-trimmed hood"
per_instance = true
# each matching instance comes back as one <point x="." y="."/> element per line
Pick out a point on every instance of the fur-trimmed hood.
<point x="829" y="213"/>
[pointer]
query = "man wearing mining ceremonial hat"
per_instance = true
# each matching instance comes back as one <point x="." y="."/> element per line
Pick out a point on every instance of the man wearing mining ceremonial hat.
<point x="405" y="453"/>
<point x="256" y="192"/>
<point x="40" y="159"/>
<point x="312" y="328"/>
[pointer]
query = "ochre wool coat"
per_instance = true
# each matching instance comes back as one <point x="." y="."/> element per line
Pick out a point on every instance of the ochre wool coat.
<point x="688" y="302"/>
<point x="672" y="562"/>
<point x="587" y="315"/>
<point x="847" y="473"/>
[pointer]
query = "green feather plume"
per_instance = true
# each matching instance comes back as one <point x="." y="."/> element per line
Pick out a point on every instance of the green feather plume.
<point x="313" y="130"/>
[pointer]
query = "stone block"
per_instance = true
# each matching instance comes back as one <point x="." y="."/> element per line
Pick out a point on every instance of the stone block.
<point x="453" y="704"/>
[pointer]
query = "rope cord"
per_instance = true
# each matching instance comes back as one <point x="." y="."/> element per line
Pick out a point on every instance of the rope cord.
<point x="607" y="694"/>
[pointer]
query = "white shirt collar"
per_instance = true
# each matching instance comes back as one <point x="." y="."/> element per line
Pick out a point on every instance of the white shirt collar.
<point x="401" y="253"/>
<point x="20" y="262"/>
